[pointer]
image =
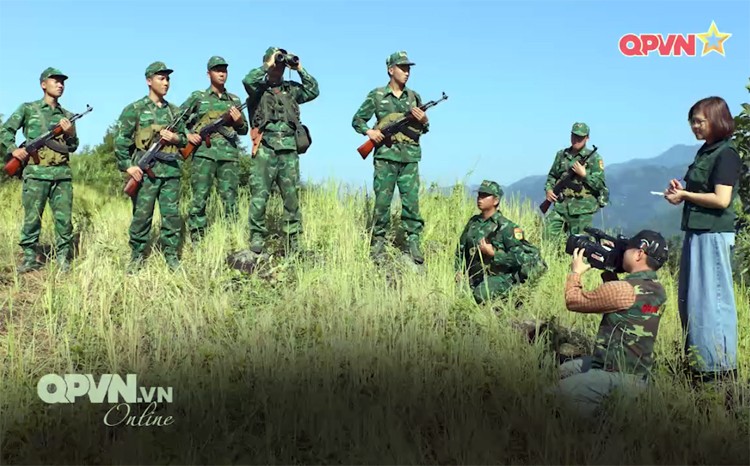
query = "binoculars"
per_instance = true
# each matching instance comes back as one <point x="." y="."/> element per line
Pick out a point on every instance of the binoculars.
<point x="283" y="57"/>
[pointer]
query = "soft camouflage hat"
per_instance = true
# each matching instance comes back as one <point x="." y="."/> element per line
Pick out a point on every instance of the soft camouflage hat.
<point x="580" y="129"/>
<point x="270" y="51"/>
<point x="216" y="61"/>
<point x="652" y="243"/>
<point x="490" y="187"/>
<point x="398" y="58"/>
<point x="49" y="72"/>
<point x="157" y="67"/>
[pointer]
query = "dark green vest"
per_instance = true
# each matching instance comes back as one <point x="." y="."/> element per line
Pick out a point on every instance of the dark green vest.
<point x="625" y="341"/>
<point x="276" y="104"/>
<point x="695" y="217"/>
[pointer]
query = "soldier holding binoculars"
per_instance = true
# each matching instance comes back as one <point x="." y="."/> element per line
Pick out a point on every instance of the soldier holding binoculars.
<point x="273" y="108"/>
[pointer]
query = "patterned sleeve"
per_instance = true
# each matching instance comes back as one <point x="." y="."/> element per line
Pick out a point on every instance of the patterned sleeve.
<point x="611" y="296"/>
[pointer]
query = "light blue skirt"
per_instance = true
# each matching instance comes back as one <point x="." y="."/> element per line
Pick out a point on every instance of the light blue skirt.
<point x="707" y="308"/>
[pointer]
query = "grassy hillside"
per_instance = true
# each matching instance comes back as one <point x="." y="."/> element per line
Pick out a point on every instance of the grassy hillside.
<point x="327" y="360"/>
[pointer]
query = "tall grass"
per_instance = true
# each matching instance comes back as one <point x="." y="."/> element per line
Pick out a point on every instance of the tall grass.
<point x="327" y="359"/>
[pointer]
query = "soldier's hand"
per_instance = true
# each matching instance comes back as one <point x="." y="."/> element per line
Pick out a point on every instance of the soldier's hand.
<point x="419" y="115"/>
<point x="67" y="127"/>
<point x="486" y="248"/>
<point x="376" y="135"/>
<point x="578" y="265"/>
<point x="235" y="114"/>
<point x="579" y="169"/>
<point x="169" y="136"/>
<point x="136" y="172"/>
<point x="20" y="154"/>
<point x="551" y="196"/>
<point x="194" y="139"/>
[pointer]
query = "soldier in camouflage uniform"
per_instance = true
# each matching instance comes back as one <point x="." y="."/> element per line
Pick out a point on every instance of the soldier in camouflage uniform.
<point x="586" y="193"/>
<point x="273" y="109"/>
<point x="631" y="310"/>
<point x="49" y="177"/>
<point x="221" y="160"/>
<point x="140" y="124"/>
<point x="493" y="250"/>
<point x="397" y="165"/>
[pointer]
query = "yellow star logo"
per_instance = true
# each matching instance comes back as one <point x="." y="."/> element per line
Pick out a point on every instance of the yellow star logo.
<point x="713" y="32"/>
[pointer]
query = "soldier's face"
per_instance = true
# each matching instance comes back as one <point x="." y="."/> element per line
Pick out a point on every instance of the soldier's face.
<point x="159" y="83"/>
<point x="400" y="73"/>
<point x="486" y="201"/>
<point x="218" y="75"/>
<point x="578" y="142"/>
<point x="53" y="86"/>
<point x="276" y="72"/>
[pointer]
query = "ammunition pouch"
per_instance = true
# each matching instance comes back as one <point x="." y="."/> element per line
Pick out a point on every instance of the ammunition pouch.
<point x="54" y="153"/>
<point x="302" y="137"/>
<point x="147" y="135"/>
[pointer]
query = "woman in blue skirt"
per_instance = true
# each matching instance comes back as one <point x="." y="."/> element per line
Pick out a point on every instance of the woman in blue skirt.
<point x="707" y="307"/>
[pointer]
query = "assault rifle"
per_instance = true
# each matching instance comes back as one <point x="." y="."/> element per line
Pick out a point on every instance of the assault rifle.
<point x="13" y="167"/>
<point x="206" y="132"/>
<point x="151" y="156"/>
<point x="393" y="128"/>
<point x="563" y="182"/>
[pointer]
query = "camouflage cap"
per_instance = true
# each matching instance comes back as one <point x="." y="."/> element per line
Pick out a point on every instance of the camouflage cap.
<point x="652" y="243"/>
<point x="580" y="129"/>
<point x="490" y="187"/>
<point x="270" y="51"/>
<point x="398" y="58"/>
<point x="216" y="61"/>
<point x="49" y="72"/>
<point x="157" y="67"/>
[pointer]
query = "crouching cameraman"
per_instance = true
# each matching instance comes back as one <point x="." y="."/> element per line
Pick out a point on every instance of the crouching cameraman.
<point x="630" y="309"/>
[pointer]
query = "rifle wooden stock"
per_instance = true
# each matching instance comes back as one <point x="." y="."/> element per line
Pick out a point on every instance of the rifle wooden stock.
<point x="365" y="149"/>
<point x="132" y="186"/>
<point x="188" y="150"/>
<point x="544" y="206"/>
<point x="13" y="166"/>
<point x="256" y="136"/>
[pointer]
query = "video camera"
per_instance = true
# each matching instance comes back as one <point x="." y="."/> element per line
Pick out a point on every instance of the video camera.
<point x="600" y="256"/>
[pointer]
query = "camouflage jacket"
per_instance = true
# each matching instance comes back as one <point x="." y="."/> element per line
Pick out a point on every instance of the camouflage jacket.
<point x="36" y="118"/>
<point x="386" y="107"/>
<point x="207" y="106"/>
<point x="512" y="251"/>
<point x="139" y="125"/>
<point x="583" y="196"/>
<point x="278" y="135"/>
<point x="625" y="341"/>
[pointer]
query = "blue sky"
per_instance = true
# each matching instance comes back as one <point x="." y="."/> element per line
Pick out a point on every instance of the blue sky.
<point x="517" y="73"/>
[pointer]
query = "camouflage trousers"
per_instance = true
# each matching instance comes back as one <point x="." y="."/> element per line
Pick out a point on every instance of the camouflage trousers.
<point x="556" y="224"/>
<point x="34" y="199"/>
<point x="281" y="168"/>
<point x="388" y="175"/>
<point x="204" y="172"/>
<point x="488" y="287"/>
<point x="167" y="192"/>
